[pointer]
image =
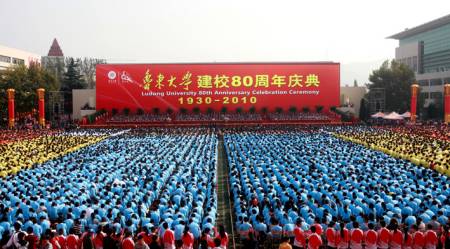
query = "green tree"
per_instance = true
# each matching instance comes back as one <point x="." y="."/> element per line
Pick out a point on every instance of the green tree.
<point x="72" y="80"/>
<point x="363" y="112"/>
<point x="396" y="78"/>
<point x="355" y="83"/>
<point x="72" y="77"/>
<point x="25" y="80"/>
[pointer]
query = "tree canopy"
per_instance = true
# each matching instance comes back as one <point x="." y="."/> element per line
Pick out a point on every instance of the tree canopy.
<point x="72" y="78"/>
<point x="25" y="81"/>
<point x="396" y="78"/>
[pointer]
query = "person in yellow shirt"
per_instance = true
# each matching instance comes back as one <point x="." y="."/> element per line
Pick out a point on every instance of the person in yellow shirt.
<point x="285" y="243"/>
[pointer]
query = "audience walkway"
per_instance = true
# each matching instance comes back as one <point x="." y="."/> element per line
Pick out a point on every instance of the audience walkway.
<point x="223" y="193"/>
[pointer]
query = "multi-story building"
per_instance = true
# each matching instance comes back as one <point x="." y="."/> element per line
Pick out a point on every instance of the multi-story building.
<point x="426" y="50"/>
<point x="11" y="56"/>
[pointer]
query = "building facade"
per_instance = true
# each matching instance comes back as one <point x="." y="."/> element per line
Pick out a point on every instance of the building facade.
<point x="426" y="50"/>
<point x="11" y="56"/>
<point x="351" y="97"/>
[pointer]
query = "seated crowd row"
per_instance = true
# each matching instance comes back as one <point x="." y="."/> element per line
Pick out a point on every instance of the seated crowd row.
<point x="134" y="181"/>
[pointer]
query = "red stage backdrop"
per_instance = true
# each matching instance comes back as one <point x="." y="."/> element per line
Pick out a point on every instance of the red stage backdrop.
<point x="217" y="85"/>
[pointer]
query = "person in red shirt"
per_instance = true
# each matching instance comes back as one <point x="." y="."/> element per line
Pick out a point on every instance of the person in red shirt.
<point x="314" y="240"/>
<point x="299" y="240"/>
<point x="61" y="239"/>
<point x="418" y="238"/>
<point x="343" y="237"/>
<point x="356" y="236"/>
<point x="72" y="240"/>
<point x="371" y="237"/>
<point x="445" y="237"/>
<point x="187" y="239"/>
<point x="98" y="239"/>
<point x="32" y="239"/>
<point x="168" y="237"/>
<point x="145" y="235"/>
<point x="431" y="238"/>
<point x="127" y="242"/>
<point x="54" y="241"/>
<point x="384" y="236"/>
<point x="407" y="238"/>
<point x="319" y="228"/>
<point x="396" y="238"/>
<point x="223" y="236"/>
<point x="330" y="234"/>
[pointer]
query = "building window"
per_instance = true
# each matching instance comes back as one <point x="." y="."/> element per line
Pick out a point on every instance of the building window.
<point x="409" y="62"/>
<point x="414" y="64"/>
<point x="423" y="82"/>
<point x="18" y="61"/>
<point x="6" y="59"/>
<point x="424" y="95"/>
<point x="436" y="82"/>
<point x="436" y="95"/>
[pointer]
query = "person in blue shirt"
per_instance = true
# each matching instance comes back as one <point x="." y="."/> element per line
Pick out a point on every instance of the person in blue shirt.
<point x="194" y="228"/>
<point x="178" y="231"/>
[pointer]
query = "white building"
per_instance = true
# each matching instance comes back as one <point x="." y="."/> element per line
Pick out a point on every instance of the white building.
<point x="11" y="56"/>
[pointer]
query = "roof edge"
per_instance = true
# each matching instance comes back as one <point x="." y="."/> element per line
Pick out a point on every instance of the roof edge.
<point x="421" y="28"/>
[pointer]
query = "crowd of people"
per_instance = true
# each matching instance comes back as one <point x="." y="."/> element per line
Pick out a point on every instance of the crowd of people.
<point x="130" y="187"/>
<point x="242" y="117"/>
<point x="212" y="116"/>
<point x="221" y="117"/>
<point x="121" y="118"/>
<point x="308" y="185"/>
<point x="308" y="116"/>
<point x="8" y="136"/>
<point x="436" y="131"/>
<point x="32" y="147"/>
<point x="291" y="187"/>
<point x="429" y="148"/>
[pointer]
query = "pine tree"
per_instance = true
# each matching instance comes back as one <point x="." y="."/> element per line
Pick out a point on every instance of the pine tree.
<point x="72" y="80"/>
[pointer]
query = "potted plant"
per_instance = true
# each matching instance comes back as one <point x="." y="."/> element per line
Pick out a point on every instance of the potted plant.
<point x="196" y="110"/>
<point x="319" y="108"/>
<point x="126" y="111"/>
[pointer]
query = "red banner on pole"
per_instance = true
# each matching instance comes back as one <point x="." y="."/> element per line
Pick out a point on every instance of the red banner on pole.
<point x="41" y="103"/>
<point x="414" y="93"/>
<point x="11" y="111"/>
<point x="447" y="103"/>
<point x="217" y="85"/>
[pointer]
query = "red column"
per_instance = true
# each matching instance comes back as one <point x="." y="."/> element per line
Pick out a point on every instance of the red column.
<point x="41" y="103"/>
<point x="414" y="92"/>
<point x="10" y="92"/>
<point x="447" y="103"/>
